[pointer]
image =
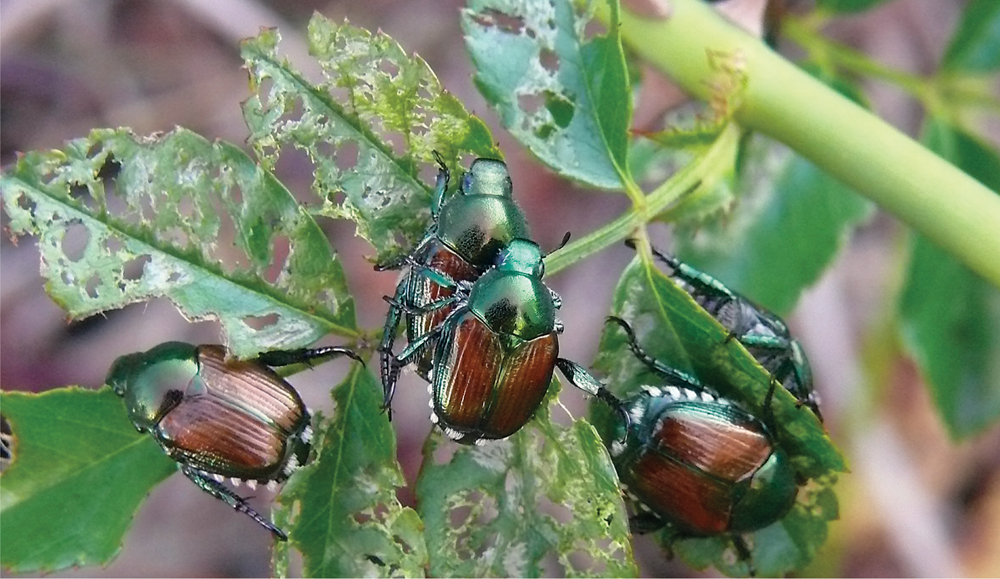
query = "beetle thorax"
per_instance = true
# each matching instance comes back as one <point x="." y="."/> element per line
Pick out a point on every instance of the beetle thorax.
<point x="478" y="227"/>
<point x="511" y="303"/>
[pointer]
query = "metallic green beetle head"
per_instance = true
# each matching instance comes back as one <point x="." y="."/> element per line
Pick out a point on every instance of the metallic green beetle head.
<point x="146" y="379"/>
<point x="522" y="256"/>
<point x="487" y="177"/>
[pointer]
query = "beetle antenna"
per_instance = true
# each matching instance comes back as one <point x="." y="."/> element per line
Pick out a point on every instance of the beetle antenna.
<point x="562" y="243"/>
<point x="440" y="160"/>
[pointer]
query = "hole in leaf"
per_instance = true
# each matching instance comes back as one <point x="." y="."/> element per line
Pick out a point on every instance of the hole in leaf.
<point x="235" y="194"/>
<point x="326" y="150"/>
<point x="295" y="169"/>
<point x="530" y="103"/>
<point x="25" y="203"/>
<point x="559" y="512"/>
<point x="263" y="93"/>
<point x="388" y="67"/>
<point x="113" y="245"/>
<point x="74" y="242"/>
<point x="549" y="60"/>
<point x="92" y="284"/>
<point x="594" y="28"/>
<point x="292" y="113"/>
<point x="493" y="18"/>
<point x="80" y="193"/>
<point x="347" y="156"/>
<point x="444" y="451"/>
<point x="279" y="256"/>
<point x="6" y="444"/>
<point x="460" y="516"/>
<point x="134" y="268"/>
<point x="109" y="170"/>
<point x="581" y="560"/>
<point x="261" y="322"/>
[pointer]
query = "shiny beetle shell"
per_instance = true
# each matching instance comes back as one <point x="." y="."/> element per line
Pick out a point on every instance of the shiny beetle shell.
<point x="468" y="232"/>
<point x="232" y="418"/>
<point x="705" y="466"/>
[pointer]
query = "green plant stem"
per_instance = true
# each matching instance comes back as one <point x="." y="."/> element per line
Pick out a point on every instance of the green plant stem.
<point x="938" y="200"/>
<point x="826" y="51"/>
<point x="645" y="209"/>
<point x="953" y="89"/>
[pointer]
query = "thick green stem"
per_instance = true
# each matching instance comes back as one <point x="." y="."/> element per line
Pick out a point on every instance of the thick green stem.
<point x="938" y="200"/>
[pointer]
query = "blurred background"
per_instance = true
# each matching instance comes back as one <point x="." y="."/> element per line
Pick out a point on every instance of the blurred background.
<point x="914" y="504"/>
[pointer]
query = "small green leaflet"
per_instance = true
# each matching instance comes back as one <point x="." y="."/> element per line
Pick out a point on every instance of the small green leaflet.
<point x="544" y="502"/>
<point x="79" y="473"/>
<point x="950" y="316"/>
<point x="790" y="223"/>
<point x="375" y="116"/>
<point x="348" y="521"/>
<point x="847" y="5"/>
<point x="175" y="215"/>
<point x="975" y="47"/>
<point x="674" y="329"/>
<point x="561" y="92"/>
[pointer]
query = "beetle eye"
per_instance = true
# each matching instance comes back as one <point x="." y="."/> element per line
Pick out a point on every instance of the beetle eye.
<point x="467" y="182"/>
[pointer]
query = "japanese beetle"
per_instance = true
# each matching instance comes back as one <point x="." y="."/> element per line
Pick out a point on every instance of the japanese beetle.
<point x="761" y="332"/>
<point x="463" y="241"/>
<point x="698" y="462"/>
<point x="220" y="418"/>
<point x="495" y="352"/>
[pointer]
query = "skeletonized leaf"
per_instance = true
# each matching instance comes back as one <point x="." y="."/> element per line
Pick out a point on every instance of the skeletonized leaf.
<point x="367" y="125"/>
<point x="178" y="216"/>
<point x="562" y="92"/>
<point x="348" y="522"/>
<point x="544" y="502"/>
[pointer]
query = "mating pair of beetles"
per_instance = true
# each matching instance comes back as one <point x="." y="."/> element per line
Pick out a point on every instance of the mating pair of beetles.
<point x="481" y="328"/>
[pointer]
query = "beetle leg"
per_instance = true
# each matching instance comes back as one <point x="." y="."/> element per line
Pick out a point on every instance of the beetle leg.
<point x="698" y="279"/>
<point x="232" y="499"/>
<point x="768" y="417"/>
<point x="556" y="298"/>
<point x="412" y="350"/>
<point x="385" y="348"/>
<point x="425" y="308"/>
<point x="644" y="522"/>
<point x="408" y="258"/>
<point x="578" y="376"/>
<point x="440" y="186"/>
<point x="672" y="374"/>
<point x="305" y="355"/>
<point x="743" y="552"/>
<point x="436" y="276"/>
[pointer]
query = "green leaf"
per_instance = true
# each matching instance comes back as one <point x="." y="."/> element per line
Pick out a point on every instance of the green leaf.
<point x="561" y="92"/>
<point x="375" y="115"/>
<point x="348" y="521"/>
<point x="847" y="5"/>
<point x="674" y="329"/>
<point x="79" y="473"/>
<point x="950" y="316"/>
<point x="544" y="502"/>
<point x="975" y="47"/>
<point x="789" y="225"/>
<point x="177" y="216"/>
